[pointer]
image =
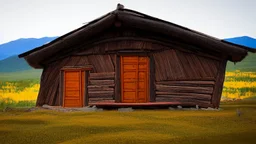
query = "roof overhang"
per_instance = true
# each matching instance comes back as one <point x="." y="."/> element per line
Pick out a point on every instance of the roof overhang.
<point x="133" y="19"/>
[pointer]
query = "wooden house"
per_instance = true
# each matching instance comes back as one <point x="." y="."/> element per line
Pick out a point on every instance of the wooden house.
<point x="129" y="58"/>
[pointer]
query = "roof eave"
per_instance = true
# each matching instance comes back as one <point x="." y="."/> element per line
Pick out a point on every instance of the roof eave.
<point x="134" y="19"/>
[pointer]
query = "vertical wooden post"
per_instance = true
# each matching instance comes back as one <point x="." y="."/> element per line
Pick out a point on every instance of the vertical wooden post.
<point x="216" y="96"/>
<point x="80" y="88"/>
<point x="117" y="80"/>
<point x="86" y="96"/>
<point x="61" y="88"/>
<point x="152" y="79"/>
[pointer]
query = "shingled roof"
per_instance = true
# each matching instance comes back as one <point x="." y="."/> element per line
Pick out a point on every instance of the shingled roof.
<point x="134" y="19"/>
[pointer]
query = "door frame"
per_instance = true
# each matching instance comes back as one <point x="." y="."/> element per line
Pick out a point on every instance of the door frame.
<point x="151" y="75"/>
<point x="85" y="98"/>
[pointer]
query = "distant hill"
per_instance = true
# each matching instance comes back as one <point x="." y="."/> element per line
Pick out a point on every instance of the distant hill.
<point x="13" y="64"/>
<point x="249" y="63"/>
<point x="22" y="45"/>
<point x="21" y="75"/>
<point x="9" y="61"/>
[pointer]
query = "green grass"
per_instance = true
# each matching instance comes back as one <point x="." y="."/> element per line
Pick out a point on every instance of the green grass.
<point x="9" y="103"/>
<point x="18" y="85"/>
<point x="21" y="75"/>
<point x="139" y="126"/>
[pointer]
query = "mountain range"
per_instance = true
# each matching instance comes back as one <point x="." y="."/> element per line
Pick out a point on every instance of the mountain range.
<point x="10" y="63"/>
<point x="22" y="45"/>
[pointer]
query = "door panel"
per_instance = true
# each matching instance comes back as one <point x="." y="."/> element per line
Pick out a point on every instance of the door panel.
<point x="129" y="74"/>
<point x="134" y="79"/>
<point x="73" y="89"/>
<point x="129" y="86"/>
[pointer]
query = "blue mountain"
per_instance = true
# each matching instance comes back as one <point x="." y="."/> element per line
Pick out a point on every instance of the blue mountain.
<point x="9" y="61"/>
<point x="13" y="64"/>
<point x="22" y="45"/>
<point x="243" y="40"/>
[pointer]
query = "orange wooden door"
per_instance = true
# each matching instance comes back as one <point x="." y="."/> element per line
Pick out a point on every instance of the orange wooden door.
<point x="73" y="88"/>
<point x="134" y="79"/>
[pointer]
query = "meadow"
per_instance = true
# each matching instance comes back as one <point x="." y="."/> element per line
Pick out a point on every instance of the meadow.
<point x="139" y="126"/>
<point x="20" y="125"/>
<point x="18" y="92"/>
<point x="239" y="85"/>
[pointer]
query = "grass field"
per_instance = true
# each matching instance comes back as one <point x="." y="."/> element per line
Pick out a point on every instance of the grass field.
<point x="139" y="126"/>
<point x="20" y="93"/>
<point x="21" y="75"/>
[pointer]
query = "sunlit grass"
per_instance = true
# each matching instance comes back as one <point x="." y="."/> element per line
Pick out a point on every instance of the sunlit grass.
<point x="18" y="93"/>
<point x="139" y="126"/>
<point x="239" y="85"/>
<point x="27" y="94"/>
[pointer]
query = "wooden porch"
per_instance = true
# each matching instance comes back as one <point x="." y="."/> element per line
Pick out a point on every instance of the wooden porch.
<point x="144" y="105"/>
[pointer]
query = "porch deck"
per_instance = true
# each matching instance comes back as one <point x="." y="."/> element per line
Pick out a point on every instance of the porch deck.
<point x="148" y="104"/>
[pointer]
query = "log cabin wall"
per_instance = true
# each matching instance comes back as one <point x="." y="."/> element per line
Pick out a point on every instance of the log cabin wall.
<point x="185" y="77"/>
<point x="101" y="82"/>
<point x="101" y="79"/>
<point x="100" y="85"/>
<point x="50" y="79"/>
<point x="181" y="74"/>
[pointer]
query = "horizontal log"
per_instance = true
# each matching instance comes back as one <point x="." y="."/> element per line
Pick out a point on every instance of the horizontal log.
<point x="102" y="76"/>
<point x="101" y="82"/>
<point x="98" y="100"/>
<point x="161" y="99"/>
<point x="187" y="83"/>
<point x="100" y="86"/>
<point x="100" y="89"/>
<point x="186" y="96"/>
<point x="187" y="103"/>
<point x="165" y="89"/>
<point x="100" y="94"/>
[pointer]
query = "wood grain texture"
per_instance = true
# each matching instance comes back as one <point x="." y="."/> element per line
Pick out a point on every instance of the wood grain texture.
<point x="73" y="91"/>
<point x="219" y="84"/>
<point x="185" y="89"/>
<point x="152" y="88"/>
<point x="187" y="96"/>
<point x="86" y="95"/>
<point x="175" y="71"/>
<point x="117" y="80"/>
<point x="134" y="79"/>
<point x="102" y="76"/>
<point x="138" y="22"/>
<point x="188" y="83"/>
<point x="178" y="65"/>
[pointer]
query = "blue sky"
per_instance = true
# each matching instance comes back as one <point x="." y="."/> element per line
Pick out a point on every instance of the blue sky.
<point x="39" y="18"/>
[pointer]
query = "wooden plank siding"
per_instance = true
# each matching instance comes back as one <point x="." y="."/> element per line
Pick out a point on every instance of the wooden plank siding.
<point x="101" y="87"/>
<point x="175" y="75"/>
<point x="152" y="78"/>
<point x="50" y="80"/>
<point x="185" y="77"/>
<point x="219" y="84"/>
<point x="177" y="65"/>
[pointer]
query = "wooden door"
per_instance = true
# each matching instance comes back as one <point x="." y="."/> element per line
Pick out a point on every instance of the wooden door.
<point x="73" y="92"/>
<point x="134" y="79"/>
